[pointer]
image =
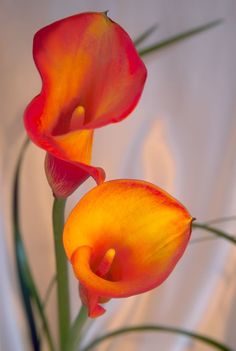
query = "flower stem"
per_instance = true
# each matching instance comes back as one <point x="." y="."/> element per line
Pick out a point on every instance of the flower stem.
<point x="76" y="329"/>
<point x="63" y="305"/>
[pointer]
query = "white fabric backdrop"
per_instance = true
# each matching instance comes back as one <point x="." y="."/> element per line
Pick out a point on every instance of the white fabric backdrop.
<point x="181" y="137"/>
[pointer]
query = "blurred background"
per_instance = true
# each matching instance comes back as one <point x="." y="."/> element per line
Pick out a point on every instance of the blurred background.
<point x="182" y="137"/>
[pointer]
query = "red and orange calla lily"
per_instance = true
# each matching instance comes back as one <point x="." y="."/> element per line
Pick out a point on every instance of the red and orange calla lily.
<point x="123" y="238"/>
<point x="91" y="76"/>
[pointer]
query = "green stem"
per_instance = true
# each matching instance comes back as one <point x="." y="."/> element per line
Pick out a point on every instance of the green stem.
<point x="158" y="328"/>
<point x="76" y="329"/>
<point x="215" y="231"/>
<point x="63" y="305"/>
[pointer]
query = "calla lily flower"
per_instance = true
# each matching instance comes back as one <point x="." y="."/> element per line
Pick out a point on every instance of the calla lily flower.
<point x="123" y="238"/>
<point x="91" y="76"/>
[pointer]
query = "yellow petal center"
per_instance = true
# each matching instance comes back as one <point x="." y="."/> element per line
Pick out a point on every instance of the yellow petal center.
<point x="106" y="263"/>
<point x="77" y="118"/>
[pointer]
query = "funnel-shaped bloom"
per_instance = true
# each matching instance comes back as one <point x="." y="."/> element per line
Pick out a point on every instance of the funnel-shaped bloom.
<point x="123" y="238"/>
<point x="91" y="76"/>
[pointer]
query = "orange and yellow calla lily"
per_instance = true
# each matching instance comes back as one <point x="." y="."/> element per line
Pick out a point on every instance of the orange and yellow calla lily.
<point x="123" y="238"/>
<point x="91" y="76"/>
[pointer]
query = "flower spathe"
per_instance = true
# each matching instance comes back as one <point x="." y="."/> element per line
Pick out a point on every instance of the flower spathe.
<point x="123" y="238"/>
<point x="91" y="76"/>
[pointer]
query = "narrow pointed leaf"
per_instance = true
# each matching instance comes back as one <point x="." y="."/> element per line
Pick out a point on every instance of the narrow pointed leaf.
<point x="159" y="328"/>
<point x="221" y="220"/>
<point x="20" y="256"/>
<point x="146" y="34"/>
<point x="178" y="37"/>
<point x="206" y="238"/>
<point x="49" y="290"/>
<point x="216" y="231"/>
<point x="28" y="288"/>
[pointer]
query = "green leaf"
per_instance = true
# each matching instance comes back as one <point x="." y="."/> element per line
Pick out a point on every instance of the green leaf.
<point x="140" y="39"/>
<point x="40" y="310"/>
<point x="158" y="328"/>
<point x="205" y="238"/>
<point x="63" y="301"/>
<point x="20" y="256"/>
<point x="28" y="288"/>
<point x="221" y="220"/>
<point x="49" y="290"/>
<point x="218" y="232"/>
<point x="178" y="37"/>
<point x="45" y="300"/>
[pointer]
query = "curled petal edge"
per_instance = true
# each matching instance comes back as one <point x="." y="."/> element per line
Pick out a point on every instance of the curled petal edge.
<point x="100" y="286"/>
<point x="65" y="177"/>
